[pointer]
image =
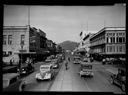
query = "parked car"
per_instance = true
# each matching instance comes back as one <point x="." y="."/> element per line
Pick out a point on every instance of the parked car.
<point x="91" y="59"/>
<point x="85" y="59"/>
<point x="11" y="82"/>
<point x="77" y="60"/>
<point x="26" y="69"/>
<point x="86" y="70"/>
<point x="119" y="78"/>
<point x="10" y="69"/>
<point x="55" y="64"/>
<point x="46" y="72"/>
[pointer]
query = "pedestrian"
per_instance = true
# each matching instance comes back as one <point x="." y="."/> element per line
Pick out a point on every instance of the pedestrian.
<point x="69" y="59"/>
<point x="66" y="65"/>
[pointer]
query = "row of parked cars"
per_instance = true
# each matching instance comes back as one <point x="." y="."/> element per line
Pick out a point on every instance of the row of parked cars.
<point x="12" y="80"/>
<point x="114" y="61"/>
<point x="47" y="70"/>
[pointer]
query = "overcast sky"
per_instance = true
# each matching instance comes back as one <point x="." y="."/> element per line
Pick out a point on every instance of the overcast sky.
<point x="61" y="23"/>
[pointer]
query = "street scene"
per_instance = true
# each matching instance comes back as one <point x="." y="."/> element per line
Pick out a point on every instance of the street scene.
<point x="64" y="48"/>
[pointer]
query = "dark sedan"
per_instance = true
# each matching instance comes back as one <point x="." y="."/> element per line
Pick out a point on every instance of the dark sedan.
<point x="11" y="82"/>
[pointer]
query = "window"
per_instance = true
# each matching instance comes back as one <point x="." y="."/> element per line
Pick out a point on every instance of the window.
<point x="113" y="38"/>
<point x="107" y="48"/>
<point x="120" y="40"/>
<point x="120" y="49"/>
<point x="4" y="39"/>
<point x="117" y="39"/>
<point x="9" y="39"/>
<point x="9" y="53"/>
<point x="113" y="48"/>
<point x="113" y="34"/>
<point x="4" y="53"/>
<point x="110" y="48"/>
<point x="107" y="39"/>
<point x="123" y="39"/>
<point x="117" y="48"/>
<point x="22" y="39"/>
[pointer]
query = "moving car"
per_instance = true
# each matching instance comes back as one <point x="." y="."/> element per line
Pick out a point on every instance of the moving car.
<point x="86" y="70"/>
<point x="77" y="60"/>
<point x="11" y="82"/>
<point x="119" y="78"/>
<point x="46" y="72"/>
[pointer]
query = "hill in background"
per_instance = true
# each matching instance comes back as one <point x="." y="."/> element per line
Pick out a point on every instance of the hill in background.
<point x="68" y="45"/>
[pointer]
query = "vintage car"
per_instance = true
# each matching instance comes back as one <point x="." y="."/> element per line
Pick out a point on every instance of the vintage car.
<point x="11" y="82"/>
<point x="86" y="70"/>
<point x="46" y="72"/>
<point x="10" y="69"/>
<point x="55" y="64"/>
<point x="77" y="60"/>
<point x="119" y="78"/>
<point x="26" y="69"/>
<point x="85" y="59"/>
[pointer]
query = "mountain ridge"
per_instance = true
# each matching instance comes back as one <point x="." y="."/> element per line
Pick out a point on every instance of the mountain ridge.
<point x="69" y="45"/>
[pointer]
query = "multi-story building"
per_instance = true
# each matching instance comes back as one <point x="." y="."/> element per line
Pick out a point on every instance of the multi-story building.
<point x="110" y="41"/>
<point x="23" y="39"/>
<point x="51" y="46"/>
<point x="86" y="42"/>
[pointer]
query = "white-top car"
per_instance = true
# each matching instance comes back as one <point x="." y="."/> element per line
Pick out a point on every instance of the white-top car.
<point x="46" y="72"/>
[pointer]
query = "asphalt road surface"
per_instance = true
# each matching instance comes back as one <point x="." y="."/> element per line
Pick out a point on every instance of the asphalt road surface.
<point x="99" y="83"/>
<point x="37" y="86"/>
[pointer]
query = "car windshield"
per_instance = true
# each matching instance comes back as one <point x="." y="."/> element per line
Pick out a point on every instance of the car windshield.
<point x="87" y="67"/>
<point x="5" y="83"/>
<point x="44" y="68"/>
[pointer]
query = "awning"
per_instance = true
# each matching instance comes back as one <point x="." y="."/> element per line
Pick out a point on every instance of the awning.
<point x="25" y="52"/>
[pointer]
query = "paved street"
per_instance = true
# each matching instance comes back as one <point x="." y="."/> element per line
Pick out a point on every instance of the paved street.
<point x="33" y="85"/>
<point x="69" y="80"/>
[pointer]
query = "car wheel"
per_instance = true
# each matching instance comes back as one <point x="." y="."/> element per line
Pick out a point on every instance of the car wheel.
<point x="111" y="80"/>
<point x="123" y="87"/>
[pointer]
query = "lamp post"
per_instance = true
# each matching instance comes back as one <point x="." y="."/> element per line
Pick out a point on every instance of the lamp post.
<point x="21" y="44"/>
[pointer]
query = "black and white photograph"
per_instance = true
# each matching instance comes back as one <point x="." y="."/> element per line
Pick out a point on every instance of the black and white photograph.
<point x="64" y="48"/>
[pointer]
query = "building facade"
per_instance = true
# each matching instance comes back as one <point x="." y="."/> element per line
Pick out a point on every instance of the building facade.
<point x="86" y="42"/>
<point x="13" y="37"/>
<point x="23" y="39"/>
<point x="110" y="41"/>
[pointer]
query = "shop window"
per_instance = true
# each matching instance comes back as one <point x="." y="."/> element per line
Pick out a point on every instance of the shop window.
<point x="9" y="39"/>
<point x="4" y="39"/>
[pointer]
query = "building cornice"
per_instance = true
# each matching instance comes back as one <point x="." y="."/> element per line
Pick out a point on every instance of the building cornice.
<point x="108" y="29"/>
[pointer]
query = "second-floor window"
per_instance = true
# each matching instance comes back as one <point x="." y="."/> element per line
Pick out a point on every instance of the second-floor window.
<point x="22" y="39"/>
<point x="4" y="39"/>
<point x="9" y="39"/>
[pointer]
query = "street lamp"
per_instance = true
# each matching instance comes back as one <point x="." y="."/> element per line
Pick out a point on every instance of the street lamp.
<point x="21" y="44"/>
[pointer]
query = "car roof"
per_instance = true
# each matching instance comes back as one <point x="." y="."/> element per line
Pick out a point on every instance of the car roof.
<point x="46" y="65"/>
<point x="10" y="75"/>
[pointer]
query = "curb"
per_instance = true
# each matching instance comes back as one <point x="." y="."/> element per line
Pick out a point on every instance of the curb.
<point x="55" y="76"/>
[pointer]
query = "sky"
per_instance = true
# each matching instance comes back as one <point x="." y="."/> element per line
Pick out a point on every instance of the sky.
<point x="61" y="23"/>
